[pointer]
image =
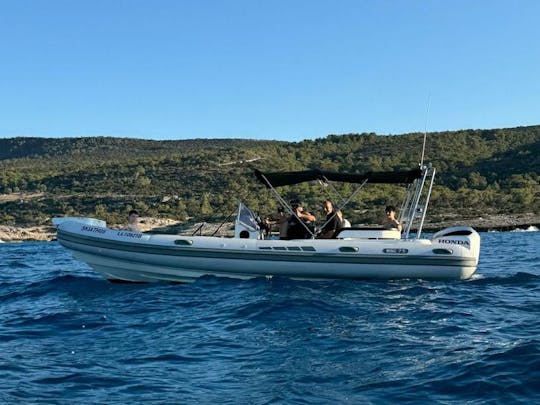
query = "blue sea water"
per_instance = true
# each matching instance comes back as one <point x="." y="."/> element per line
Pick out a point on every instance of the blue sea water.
<point x="69" y="337"/>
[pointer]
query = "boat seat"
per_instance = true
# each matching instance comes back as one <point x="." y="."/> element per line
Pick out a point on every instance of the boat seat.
<point x="368" y="233"/>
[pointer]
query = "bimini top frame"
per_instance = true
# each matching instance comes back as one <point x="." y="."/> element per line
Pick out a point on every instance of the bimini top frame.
<point x="414" y="206"/>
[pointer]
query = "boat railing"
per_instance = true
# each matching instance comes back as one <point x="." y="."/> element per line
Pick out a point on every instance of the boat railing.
<point x="416" y="201"/>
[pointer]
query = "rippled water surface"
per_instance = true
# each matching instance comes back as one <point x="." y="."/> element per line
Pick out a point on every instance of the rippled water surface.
<point x="69" y="337"/>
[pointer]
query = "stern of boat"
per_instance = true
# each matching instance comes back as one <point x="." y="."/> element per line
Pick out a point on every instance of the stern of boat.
<point x="462" y="238"/>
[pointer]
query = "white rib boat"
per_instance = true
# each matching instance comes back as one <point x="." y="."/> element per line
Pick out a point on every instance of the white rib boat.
<point x="354" y="253"/>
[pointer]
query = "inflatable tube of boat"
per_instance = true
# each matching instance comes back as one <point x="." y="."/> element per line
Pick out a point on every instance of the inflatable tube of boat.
<point x="82" y="220"/>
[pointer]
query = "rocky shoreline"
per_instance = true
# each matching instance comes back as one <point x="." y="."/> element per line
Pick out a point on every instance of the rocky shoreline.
<point x="502" y="222"/>
<point x="499" y="222"/>
<point x="45" y="233"/>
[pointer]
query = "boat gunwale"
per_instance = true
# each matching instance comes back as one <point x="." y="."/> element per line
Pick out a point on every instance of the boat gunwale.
<point x="240" y="254"/>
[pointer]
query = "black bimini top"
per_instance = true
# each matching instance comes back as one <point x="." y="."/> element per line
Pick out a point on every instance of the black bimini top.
<point x="279" y="179"/>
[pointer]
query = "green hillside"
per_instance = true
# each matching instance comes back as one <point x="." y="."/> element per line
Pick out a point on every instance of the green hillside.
<point x="479" y="172"/>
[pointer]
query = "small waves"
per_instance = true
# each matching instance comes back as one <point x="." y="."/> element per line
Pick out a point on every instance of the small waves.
<point x="69" y="337"/>
<point x="518" y="278"/>
<point x="506" y="373"/>
<point x="531" y="228"/>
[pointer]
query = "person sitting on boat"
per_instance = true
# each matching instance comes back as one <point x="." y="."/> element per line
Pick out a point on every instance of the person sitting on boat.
<point x="282" y="223"/>
<point x="332" y="223"/>
<point x="391" y="221"/>
<point x="134" y="221"/>
<point x="297" y="229"/>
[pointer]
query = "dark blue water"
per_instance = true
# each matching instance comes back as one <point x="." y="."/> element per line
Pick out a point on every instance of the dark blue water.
<point x="69" y="337"/>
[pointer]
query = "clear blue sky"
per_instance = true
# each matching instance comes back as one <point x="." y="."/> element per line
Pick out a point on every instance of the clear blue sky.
<point x="286" y="70"/>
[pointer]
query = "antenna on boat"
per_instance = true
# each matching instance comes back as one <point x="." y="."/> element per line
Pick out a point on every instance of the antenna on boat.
<point x="425" y="131"/>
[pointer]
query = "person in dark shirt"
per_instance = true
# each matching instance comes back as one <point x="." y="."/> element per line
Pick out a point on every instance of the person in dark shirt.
<point x="332" y="222"/>
<point x="297" y="229"/>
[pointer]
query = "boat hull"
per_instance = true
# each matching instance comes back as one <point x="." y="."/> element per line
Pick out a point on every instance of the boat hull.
<point x="138" y="257"/>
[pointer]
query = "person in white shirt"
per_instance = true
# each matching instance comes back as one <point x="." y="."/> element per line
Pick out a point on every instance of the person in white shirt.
<point x="344" y="221"/>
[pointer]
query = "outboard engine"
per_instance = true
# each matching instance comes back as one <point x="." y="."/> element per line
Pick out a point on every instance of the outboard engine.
<point x="463" y="236"/>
